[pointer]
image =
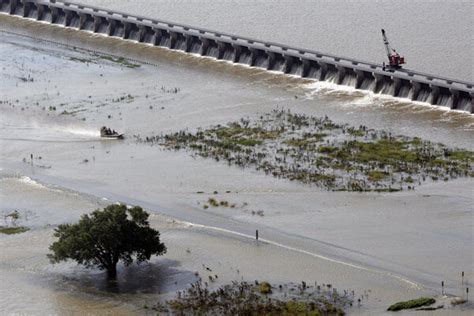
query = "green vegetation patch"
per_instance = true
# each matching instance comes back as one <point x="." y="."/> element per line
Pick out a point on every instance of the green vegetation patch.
<point x="120" y="60"/>
<point x="462" y="155"/>
<point x="320" y="152"/>
<point x="80" y="60"/>
<point x="376" y="175"/>
<point x="13" y="230"/>
<point x="422" y="301"/>
<point x="306" y="141"/>
<point x="246" y="299"/>
<point x="215" y="203"/>
<point x="265" y="288"/>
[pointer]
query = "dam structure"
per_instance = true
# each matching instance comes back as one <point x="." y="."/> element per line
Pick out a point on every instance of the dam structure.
<point x="401" y="83"/>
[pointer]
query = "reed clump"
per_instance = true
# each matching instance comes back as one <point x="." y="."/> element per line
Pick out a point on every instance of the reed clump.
<point x="242" y="298"/>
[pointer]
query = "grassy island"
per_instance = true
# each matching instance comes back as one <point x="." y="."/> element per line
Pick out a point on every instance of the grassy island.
<point x="318" y="151"/>
<point x="419" y="302"/>
<point x="13" y="230"/>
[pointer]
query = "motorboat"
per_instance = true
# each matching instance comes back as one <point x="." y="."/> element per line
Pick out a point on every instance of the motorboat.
<point x="106" y="132"/>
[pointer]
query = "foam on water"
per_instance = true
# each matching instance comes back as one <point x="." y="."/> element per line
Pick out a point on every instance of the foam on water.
<point x="331" y="88"/>
<point x="25" y="181"/>
<point x="369" y="98"/>
<point x="31" y="182"/>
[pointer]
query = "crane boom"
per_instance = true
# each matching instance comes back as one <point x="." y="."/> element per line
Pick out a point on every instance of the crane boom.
<point x="394" y="59"/>
<point x="386" y="43"/>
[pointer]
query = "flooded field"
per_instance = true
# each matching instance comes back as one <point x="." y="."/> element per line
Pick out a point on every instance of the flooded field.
<point x="60" y="86"/>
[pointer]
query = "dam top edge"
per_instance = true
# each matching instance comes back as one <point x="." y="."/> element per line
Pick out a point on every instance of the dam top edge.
<point x="301" y="53"/>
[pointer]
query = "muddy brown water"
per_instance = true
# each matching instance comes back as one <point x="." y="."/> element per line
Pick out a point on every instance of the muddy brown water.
<point x="398" y="245"/>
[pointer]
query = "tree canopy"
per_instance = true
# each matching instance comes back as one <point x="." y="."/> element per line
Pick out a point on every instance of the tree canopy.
<point x="107" y="236"/>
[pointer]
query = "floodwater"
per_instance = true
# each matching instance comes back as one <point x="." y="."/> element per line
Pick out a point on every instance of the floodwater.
<point x="55" y="97"/>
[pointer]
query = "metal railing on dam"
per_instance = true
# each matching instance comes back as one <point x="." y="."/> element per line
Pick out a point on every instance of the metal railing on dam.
<point x="417" y="86"/>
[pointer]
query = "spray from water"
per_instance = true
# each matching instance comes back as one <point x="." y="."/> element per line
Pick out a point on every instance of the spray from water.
<point x="78" y="131"/>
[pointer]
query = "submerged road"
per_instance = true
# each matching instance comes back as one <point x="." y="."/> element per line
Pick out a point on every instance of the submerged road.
<point x="413" y="277"/>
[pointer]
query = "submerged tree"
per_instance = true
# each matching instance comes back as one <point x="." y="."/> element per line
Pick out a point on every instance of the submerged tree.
<point x="105" y="237"/>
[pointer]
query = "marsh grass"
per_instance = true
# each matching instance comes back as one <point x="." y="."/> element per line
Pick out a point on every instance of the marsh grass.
<point x="317" y="151"/>
<point x="215" y="203"/>
<point x="80" y="60"/>
<point x="265" y="288"/>
<point x="419" y="302"/>
<point x="248" y="299"/>
<point x="13" y="230"/>
<point x="120" y="60"/>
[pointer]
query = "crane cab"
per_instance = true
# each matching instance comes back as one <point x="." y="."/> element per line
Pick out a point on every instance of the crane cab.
<point x="395" y="60"/>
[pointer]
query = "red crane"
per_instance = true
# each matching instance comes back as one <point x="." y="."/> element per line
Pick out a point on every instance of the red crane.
<point x="394" y="59"/>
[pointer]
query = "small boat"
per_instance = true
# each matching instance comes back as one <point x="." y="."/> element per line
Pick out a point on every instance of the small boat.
<point x="106" y="132"/>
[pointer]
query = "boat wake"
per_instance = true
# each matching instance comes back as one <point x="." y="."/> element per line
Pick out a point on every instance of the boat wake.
<point x="37" y="132"/>
<point x="79" y="132"/>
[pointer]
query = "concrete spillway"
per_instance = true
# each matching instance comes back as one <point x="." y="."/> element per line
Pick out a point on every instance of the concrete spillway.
<point x="455" y="94"/>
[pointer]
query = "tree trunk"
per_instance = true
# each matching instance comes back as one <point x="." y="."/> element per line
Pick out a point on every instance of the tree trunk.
<point x="112" y="272"/>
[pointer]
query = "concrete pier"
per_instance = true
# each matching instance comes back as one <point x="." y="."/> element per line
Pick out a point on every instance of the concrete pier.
<point x="403" y="83"/>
